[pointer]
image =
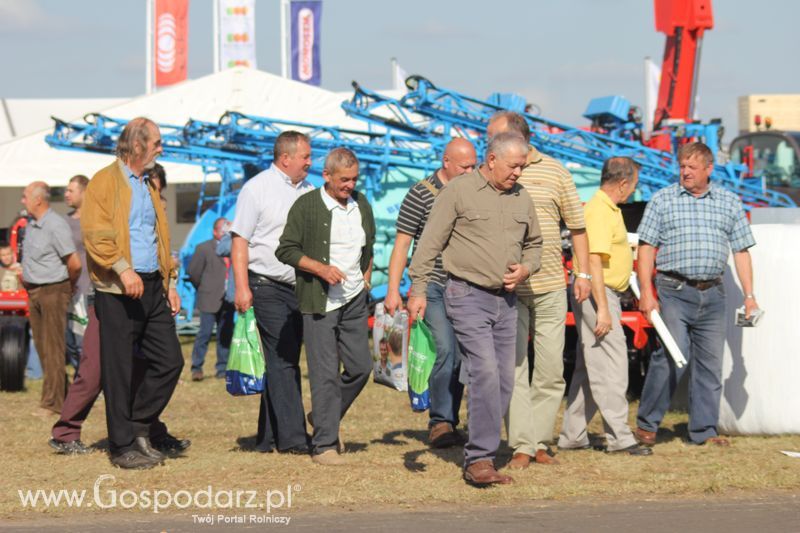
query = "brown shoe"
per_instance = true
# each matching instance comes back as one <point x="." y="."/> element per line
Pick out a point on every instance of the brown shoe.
<point x="483" y="473"/>
<point x="329" y="458"/>
<point x="442" y="435"/>
<point x="644" y="437"/>
<point x="520" y="461"/>
<point x="197" y="375"/>
<point x="546" y="457"/>
<point x="718" y="441"/>
<point x="43" y="412"/>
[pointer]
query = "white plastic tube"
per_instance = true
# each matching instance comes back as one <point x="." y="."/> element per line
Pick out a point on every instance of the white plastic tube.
<point x="661" y="328"/>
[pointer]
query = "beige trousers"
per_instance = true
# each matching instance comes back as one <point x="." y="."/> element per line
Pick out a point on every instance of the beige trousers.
<point x="535" y="400"/>
<point x="600" y="380"/>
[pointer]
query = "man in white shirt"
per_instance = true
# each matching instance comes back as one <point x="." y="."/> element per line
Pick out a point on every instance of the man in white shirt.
<point x="328" y="239"/>
<point x="267" y="285"/>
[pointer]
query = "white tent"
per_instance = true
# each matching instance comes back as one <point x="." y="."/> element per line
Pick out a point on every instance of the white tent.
<point x="244" y="90"/>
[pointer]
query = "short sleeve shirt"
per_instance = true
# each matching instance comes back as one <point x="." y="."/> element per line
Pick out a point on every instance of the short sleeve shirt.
<point x="608" y="238"/>
<point x="46" y="242"/>
<point x="413" y="216"/>
<point x="694" y="235"/>
<point x="555" y="198"/>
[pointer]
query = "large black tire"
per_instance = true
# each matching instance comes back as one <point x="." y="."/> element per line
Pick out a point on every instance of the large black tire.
<point x="13" y="356"/>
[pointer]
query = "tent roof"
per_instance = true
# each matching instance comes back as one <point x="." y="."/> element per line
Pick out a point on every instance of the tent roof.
<point x="250" y="91"/>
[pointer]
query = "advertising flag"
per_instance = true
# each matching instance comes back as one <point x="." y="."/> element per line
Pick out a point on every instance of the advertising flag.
<point x="171" y="36"/>
<point x="305" y="32"/>
<point x="237" y="33"/>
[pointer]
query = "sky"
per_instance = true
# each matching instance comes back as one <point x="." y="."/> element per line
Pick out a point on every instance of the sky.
<point x="557" y="54"/>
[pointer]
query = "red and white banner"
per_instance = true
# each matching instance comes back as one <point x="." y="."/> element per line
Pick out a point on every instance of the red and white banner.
<point x="171" y="36"/>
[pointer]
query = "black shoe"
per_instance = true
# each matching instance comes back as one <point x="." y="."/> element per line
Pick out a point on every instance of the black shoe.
<point x="73" y="447"/>
<point x="635" y="449"/>
<point x="142" y="445"/>
<point x="170" y="444"/>
<point x="133" y="460"/>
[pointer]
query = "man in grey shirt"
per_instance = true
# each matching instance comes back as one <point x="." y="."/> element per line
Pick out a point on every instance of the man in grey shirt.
<point x="50" y="270"/>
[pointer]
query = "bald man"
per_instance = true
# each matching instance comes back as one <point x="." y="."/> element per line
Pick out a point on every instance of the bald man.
<point x="50" y="269"/>
<point x="445" y="389"/>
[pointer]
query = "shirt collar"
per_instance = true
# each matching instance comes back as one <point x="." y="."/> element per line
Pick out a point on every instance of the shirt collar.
<point x="603" y="197"/>
<point x="708" y="192"/>
<point x="534" y="156"/>
<point x="332" y="204"/>
<point x="286" y="179"/>
<point x="40" y="222"/>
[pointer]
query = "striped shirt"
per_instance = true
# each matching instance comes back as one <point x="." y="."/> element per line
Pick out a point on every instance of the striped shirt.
<point x="555" y="198"/>
<point x="695" y="234"/>
<point x="413" y="216"/>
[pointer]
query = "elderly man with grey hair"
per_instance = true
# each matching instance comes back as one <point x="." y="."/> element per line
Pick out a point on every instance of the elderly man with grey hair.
<point x="50" y="270"/>
<point x="601" y="366"/>
<point x="485" y="228"/>
<point x="328" y="240"/>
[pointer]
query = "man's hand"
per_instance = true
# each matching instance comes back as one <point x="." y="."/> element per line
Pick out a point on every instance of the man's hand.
<point x="243" y="298"/>
<point x="330" y="274"/>
<point x="393" y="301"/>
<point x="515" y="275"/>
<point x="416" y="307"/>
<point x="750" y="305"/>
<point x="132" y="283"/>
<point x="648" y="303"/>
<point x="581" y="289"/>
<point x="603" y="325"/>
<point x="174" y="301"/>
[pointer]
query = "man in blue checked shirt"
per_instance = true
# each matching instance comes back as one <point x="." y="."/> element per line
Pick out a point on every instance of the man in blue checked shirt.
<point x="693" y="224"/>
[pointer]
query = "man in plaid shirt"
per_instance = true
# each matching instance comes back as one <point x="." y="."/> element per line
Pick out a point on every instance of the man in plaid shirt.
<point x="693" y="224"/>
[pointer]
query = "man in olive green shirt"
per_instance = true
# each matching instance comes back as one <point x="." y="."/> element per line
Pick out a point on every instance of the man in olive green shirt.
<point x="485" y="227"/>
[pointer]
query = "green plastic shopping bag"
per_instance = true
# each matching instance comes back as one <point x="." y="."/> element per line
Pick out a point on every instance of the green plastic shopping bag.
<point x="421" y="357"/>
<point x="245" y="372"/>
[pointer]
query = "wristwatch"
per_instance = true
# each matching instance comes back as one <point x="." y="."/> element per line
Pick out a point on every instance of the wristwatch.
<point x="749" y="296"/>
<point x="583" y="275"/>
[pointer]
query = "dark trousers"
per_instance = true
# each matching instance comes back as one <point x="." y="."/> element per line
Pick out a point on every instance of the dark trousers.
<point x="223" y="319"/>
<point x="281" y="419"/>
<point x="85" y="387"/>
<point x="48" y="316"/>
<point x="339" y="335"/>
<point x="135" y="399"/>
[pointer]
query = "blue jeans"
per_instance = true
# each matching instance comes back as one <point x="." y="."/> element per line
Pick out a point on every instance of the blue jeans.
<point x="696" y="319"/>
<point x="224" y="321"/>
<point x="445" y="388"/>
<point x="34" y="367"/>
<point x="74" y="344"/>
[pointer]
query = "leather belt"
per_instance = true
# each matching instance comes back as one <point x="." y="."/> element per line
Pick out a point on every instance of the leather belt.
<point x="150" y="276"/>
<point x="699" y="284"/>
<point x="260" y="278"/>
<point x="497" y="292"/>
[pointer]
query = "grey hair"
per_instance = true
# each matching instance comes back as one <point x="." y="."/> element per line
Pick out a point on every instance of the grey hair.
<point x="339" y="158"/>
<point x="616" y="169"/>
<point x="501" y="143"/>
<point x="40" y="189"/>
<point x="136" y="132"/>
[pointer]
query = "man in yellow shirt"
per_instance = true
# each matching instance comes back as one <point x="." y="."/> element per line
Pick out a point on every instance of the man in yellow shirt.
<point x="601" y="367"/>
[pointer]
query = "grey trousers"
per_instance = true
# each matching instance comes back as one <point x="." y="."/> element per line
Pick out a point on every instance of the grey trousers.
<point x="485" y="324"/>
<point x="340" y="335"/>
<point x="600" y="379"/>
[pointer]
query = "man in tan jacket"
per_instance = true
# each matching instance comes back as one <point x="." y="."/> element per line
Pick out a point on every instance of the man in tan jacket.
<point x="128" y="256"/>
